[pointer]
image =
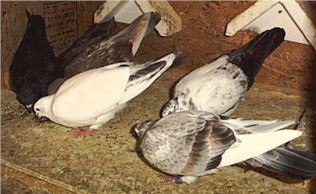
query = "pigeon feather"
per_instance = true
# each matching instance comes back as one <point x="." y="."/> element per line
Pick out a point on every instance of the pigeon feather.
<point x="290" y="162"/>
<point x="93" y="36"/>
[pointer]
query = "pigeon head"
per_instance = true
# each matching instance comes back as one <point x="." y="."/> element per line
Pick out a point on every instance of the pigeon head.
<point x="141" y="128"/>
<point x="27" y="96"/>
<point x="36" y="25"/>
<point x="42" y="106"/>
<point x="177" y="104"/>
<point x="171" y="107"/>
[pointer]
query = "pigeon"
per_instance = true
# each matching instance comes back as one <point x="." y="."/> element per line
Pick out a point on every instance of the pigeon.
<point x="210" y="93"/>
<point x="189" y="144"/>
<point x="94" y="35"/>
<point x="121" y="47"/>
<point x="34" y="65"/>
<point x="94" y="97"/>
<point x="218" y="87"/>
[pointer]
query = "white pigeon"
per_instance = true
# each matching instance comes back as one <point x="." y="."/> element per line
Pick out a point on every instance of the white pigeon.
<point x="93" y="97"/>
<point x="190" y="144"/>
<point x="218" y="87"/>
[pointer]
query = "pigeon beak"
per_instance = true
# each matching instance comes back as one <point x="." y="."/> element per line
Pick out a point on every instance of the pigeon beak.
<point x="40" y="118"/>
<point x="29" y="108"/>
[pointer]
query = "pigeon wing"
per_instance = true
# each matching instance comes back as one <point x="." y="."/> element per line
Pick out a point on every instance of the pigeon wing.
<point x="207" y="147"/>
<point x="252" y="145"/>
<point x="90" y="94"/>
<point x="119" y="48"/>
<point x="186" y="143"/>
<point x="216" y="87"/>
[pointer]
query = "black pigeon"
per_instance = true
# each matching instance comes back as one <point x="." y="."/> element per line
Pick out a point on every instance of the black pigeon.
<point x="34" y="65"/>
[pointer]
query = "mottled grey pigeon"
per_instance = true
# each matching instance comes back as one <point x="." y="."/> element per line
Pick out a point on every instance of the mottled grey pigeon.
<point x="190" y="144"/>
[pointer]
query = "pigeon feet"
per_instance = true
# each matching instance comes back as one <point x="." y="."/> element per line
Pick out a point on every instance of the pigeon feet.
<point x="82" y="132"/>
<point x="166" y="179"/>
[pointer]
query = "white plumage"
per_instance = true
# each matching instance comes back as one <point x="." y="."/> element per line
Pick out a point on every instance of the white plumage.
<point x="93" y="97"/>
<point x="218" y="86"/>
<point x="213" y="87"/>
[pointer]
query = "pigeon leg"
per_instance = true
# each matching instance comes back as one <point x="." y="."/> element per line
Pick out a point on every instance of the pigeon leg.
<point x="83" y="132"/>
<point x="170" y="179"/>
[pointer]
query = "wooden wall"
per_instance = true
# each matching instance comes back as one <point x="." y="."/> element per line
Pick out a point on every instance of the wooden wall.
<point x="203" y="27"/>
<point x="65" y="21"/>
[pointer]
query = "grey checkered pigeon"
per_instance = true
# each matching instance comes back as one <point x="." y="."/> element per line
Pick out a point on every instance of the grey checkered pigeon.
<point x="190" y="144"/>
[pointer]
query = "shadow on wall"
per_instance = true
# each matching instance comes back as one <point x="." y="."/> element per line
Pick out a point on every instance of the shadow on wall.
<point x="312" y="90"/>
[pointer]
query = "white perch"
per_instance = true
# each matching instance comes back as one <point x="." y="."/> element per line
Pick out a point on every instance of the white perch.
<point x="128" y="11"/>
<point x="266" y="14"/>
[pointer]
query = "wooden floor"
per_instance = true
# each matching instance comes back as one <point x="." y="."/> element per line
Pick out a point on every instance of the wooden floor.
<point x="42" y="157"/>
<point x="46" y="158"/>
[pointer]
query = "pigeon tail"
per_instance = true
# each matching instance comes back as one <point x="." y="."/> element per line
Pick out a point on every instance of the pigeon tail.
<point x="153" y="21"/>
<point x="119" y="48"/>
<point x="179" y="60"/>
<point x="133" y="35"/>
<point x="259" y="143"/>
<point x="95" y="34"/>
<point x="157" y="67"/>
<point x="250" y="57"/>
<point x="257" y="126"/>
<point x="143" y="75"/>
<point x="293" y="163"/>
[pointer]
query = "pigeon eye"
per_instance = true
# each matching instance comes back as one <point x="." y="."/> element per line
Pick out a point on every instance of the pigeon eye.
<point x="37" y="109"/>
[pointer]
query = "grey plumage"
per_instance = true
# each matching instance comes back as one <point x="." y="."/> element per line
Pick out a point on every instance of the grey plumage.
<point x="93" y="36"/>
<point x="196" y="143"/>
<point x="290" y="162"/>
<point x="282" y="160"/>
<point x="121" y="47"/>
